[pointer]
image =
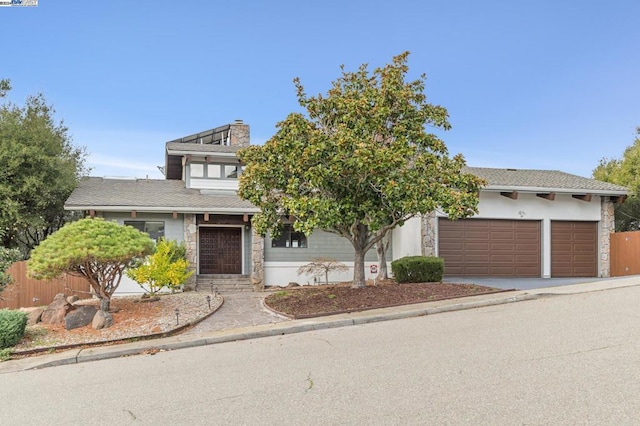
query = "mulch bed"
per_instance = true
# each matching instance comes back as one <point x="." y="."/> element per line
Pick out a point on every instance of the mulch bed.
<point x="305" y="302"/>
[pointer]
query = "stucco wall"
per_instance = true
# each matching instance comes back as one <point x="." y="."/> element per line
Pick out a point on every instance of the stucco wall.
<point x="492" y="205"/>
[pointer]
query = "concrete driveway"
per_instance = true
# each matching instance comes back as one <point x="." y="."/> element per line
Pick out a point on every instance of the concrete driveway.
<point x="525" y="283"/>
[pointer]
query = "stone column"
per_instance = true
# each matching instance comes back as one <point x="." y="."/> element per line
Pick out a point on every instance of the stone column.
<point x="257" y="261"/>
<point x="239" y="135"/>
<point x="429" y="223"/>
<point x="191" y="243"/>
<point x="607" y="226"/>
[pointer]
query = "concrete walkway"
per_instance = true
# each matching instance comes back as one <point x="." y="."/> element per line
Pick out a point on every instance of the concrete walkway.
<point x="260" y="323"/>
<point x="241" y="309"/>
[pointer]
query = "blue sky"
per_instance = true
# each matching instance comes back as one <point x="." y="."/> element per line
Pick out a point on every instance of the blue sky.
<point x="543" y="85"/>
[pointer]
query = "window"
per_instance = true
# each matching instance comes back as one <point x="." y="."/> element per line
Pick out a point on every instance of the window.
<point x="154" y="229"/>
<point x="290" y="238"/>
<point x="215" y="171"/>
<point x="196" y="170"/>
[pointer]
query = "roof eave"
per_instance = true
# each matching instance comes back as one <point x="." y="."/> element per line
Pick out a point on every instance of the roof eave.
<point x="533" y="189"/>
<point x="167" y="209"/>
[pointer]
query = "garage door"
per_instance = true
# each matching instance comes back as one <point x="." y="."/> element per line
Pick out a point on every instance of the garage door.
<point x="574" y="249"/>
<point x="483" y="247"/>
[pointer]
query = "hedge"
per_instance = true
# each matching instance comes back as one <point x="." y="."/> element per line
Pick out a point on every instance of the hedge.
<point x="12" y="327"/>
<point x="418" y="269"/>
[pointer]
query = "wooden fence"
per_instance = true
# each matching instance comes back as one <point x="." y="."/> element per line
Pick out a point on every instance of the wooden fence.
<point x="27" y="292"/>
<point x="625" y="253"/>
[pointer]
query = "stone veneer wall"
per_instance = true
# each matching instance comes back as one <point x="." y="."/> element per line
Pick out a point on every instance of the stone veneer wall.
<point x="607" y="226"/>
<point x="191" y="242"/>
<point x="239" y="135"/>
<point x="429" y="223"/>
<point x="257" y="260"/>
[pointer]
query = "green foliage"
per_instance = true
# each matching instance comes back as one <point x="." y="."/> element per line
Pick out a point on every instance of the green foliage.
<point x="5" y="86"/>
<point x="39" y="167"/>
<point x="166" y="268"/>
<point x="92" y="248"/>
<point x="360" y="163"/>
<point x="624" y="171"/>
<point x="418" y="269"/>
<point x="7" y="258"/>
<point x="12" y="327"/>
<point x="5" y="354"/>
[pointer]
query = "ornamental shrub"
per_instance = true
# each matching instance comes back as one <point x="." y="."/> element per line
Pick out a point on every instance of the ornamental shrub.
<point x="418" y="269"/>
<point x="12" y="327"/>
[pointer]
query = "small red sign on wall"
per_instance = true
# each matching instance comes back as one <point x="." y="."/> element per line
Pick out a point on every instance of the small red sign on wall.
<point x="373" y="269"/>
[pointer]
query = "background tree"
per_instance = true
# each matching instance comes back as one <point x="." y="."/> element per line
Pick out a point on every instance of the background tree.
<point x="7" y="258"/>
<point x="624" y="171"/>
<point x="39" y="167"/>
<point x="165" y="268"/>
<point x="95" y="249"/>
<point x="359" y="164"/>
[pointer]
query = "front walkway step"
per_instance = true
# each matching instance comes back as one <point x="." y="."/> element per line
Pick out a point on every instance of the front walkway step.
<point x="223" y="284"/>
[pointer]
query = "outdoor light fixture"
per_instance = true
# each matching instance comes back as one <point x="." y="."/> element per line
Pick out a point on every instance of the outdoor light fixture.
<point x="177" y="312"/>
<point x="215" y="293"/>
<point x="209" y="301"/>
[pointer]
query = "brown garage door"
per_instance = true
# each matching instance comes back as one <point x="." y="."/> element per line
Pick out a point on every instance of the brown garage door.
<point x="574" y="249"/>
<point x="488" y="247"/>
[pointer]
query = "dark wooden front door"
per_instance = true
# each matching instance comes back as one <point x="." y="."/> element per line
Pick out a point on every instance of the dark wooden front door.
<point x="220" y="250"/>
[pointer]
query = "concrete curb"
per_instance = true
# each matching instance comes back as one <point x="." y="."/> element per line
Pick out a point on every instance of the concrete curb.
<point x="76" y="356"/>
<point x="299" y="326"/>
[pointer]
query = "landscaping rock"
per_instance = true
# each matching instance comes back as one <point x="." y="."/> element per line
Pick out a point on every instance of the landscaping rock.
<point x="293" y="284"/>
<point x="33" y="314"/>
<point x="72" y="299"/>
<point x="57" y="310"/>
<point x="102" y="320"/>
<point x="79" y="317"/>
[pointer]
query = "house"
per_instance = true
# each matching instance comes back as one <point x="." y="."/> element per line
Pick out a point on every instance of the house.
<point x="530" y="222"/>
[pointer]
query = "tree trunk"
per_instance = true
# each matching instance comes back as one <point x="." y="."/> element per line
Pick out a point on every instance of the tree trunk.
<point x="381" y="250"/>
<point x="104" y="304"/>
<point x="358" y="270"/>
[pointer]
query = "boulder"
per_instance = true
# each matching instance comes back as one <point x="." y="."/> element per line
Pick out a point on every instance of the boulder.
<point x="33" y="314"/>
<point x="57" y="310"/>
<point x="102" y="320"/>
<point x="72" y="299"/>
<point x="80" y="317"/>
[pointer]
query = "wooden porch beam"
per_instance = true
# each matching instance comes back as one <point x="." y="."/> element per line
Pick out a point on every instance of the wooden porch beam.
<point x="133" y="213"/>
<point x="550" y="196"/>
<point x="619" y="199"/>
<point x="245" y="217"/>
<point x="175" y="215"/>
<point x="92" y="213"/>
<point x="582" y="197"/>
<point x="513" y="195"/>
<point x="206" y="217"/>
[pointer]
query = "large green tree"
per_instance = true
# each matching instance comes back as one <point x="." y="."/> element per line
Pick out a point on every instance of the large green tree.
<point x="359" y="163"/>
<point x="39" y="167"/>
<point x="624" y="171"/>
<point x="95" y="249"/>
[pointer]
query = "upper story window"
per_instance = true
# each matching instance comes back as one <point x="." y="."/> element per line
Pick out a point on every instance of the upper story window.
<point x="215" y="171"/>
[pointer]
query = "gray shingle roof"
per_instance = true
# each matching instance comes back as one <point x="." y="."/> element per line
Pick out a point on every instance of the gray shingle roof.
<point x="154" y="194"/>
<point x="543" y="179"/>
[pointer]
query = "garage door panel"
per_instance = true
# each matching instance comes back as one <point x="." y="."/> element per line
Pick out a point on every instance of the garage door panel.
<point x="574" y="249"/>
<point x="505" y="248"/>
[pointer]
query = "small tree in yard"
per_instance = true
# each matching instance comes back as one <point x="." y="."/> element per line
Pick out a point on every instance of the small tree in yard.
<point x="322" y="266"/>
<point x="95" y="249"/>
<point x="359" y="164"/>
<point x="166" y="268"/>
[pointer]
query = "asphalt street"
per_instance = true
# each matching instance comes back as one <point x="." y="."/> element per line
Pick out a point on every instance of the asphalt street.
<point x="570" y="359"/>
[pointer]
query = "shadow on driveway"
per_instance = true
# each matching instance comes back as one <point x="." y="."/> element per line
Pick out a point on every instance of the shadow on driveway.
<point x="523" y="283"/>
